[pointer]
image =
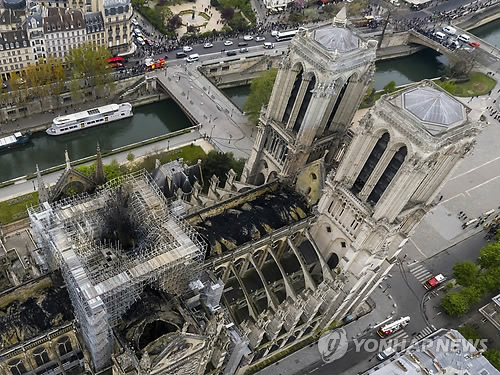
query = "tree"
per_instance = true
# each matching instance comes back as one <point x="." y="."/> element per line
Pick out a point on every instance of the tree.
<point x="465" y="273"/>
<point x="470" y="334"/>
<point x="493" y="356"/>
<point x="238" y="22"/>
<point x="218" y="163"/>
<point x="130" y="157"/>
<point x="90" y="65"/>
<point x="15" y="81"/>
<point x="390" y="87"/>
<point x="260" y="93"/>
<point x="490" y="281"/>
<point x="227" y="13"/>
<point x="455" y="304"/>
<point x="490" y="255"/>
<point x="174" y="23"/>
<point x="473" y="294"/>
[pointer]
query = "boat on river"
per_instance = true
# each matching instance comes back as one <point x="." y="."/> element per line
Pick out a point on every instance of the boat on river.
<point x="90" y="118"/>
<point x="15" y="140"/>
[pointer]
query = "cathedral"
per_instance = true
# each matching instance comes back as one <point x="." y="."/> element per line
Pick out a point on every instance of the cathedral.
<point x="325" y="203"/>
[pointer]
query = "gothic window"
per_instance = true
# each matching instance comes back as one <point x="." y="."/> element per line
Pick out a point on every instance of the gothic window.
<point x="337" y="103"/>
<point x="41" y="356"/>
<point x="370" y="163"/>
<point x="330" y="207"/>
<point x="16" y="367"/>
<point x="293" y="95"/>
<point x="313" y="176"/>
<point x="305" y="104"/>
<point x="64" y="345"/>
<point x="389" y="173"/>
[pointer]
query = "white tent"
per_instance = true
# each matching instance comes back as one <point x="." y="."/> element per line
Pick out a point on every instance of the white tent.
<point x="418" y="2"/>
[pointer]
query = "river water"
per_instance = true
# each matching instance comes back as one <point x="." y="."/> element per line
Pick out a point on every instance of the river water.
<point x="149" y="121"/>
<point x="164" y="117"/>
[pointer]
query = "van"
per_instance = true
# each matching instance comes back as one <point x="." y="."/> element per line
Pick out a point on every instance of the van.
<point x="440" y="36"/>
<point x="192" y="58"/>
<point x="449" y="30"/>
<point x="137" y="32"/>
<point x="387" y="353"/>
<point x="268" y="45"/>
<point x="464" y="38"/>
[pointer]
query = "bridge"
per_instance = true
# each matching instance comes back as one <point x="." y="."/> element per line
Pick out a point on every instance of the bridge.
<point x="224" y="125"/>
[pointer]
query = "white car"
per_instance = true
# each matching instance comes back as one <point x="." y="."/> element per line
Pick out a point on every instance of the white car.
<point x="274" y="32"/>
<point x="228" y="43"/>
<point x="248" y="37"/>
<point x="260" y="39"/>
<point x="187" y="48"/>
<point x="208" y="45"/>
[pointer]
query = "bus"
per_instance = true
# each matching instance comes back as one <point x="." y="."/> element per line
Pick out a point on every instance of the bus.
<point x="116" y="62"/>
<point x="390" y="328"/>
<point x="285" y="35"/>
<point x="152" y="64"/>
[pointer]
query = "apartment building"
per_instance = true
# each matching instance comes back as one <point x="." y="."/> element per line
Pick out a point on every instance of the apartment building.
<point x="117" y="17"/>
<point x="95" y="29"/>
<point x="15" y="53"/>
<point x="63" y="29"/>
<point x="35" y="36"/>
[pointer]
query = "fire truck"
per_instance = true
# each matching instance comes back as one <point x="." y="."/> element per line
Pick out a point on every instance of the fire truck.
<point x="390" y="328"/>
<point x="152" y="64"/>
<point x="434" y="281"/>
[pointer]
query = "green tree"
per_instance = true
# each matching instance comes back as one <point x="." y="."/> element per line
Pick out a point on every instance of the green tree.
<point x="493" y="356"/>
<point x="390" y="87"/>
<point x="90" y="65"/>
<point x="470" y="333"/>
<point x="455" y="304"/>
<point x="490" y="255"/>
<point x="489" y="281"/>
<point x="473" y="294"/>
<point x="218" y="163"/>
<point x="260" y="93"/>
<point x="465" y="273"/>
<point x="130" y="157"/>
<point x="14" y="82"/>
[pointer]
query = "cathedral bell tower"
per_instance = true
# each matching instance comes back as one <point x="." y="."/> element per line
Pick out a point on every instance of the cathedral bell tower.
<point x="318" y="88"/>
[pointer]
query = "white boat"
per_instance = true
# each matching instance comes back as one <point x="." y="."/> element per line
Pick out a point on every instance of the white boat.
<point x="89" y="118"/>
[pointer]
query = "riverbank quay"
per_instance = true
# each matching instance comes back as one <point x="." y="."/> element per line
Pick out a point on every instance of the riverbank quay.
<point x="42" y="121"/>
<point x="27" y="184"/>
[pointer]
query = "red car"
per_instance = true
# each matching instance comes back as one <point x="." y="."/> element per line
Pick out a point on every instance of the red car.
<point x="475" y="44"/>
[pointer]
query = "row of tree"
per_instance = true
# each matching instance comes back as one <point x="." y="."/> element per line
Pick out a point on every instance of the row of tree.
<point x="84" y="67"/>
<point x="477" y="279"/>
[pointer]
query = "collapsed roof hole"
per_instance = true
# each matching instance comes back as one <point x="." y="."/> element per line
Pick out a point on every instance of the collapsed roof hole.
<point x="155" y="330"/>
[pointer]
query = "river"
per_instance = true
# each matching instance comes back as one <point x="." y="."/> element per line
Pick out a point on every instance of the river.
<point x="149" y="121"/>
<point x="489" y="32"/>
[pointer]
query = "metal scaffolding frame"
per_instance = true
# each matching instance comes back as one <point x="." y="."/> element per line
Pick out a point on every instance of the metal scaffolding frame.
<point x="103" y="279"/>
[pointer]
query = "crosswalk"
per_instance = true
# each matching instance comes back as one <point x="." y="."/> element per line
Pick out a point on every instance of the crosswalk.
<point x="423" y="333"/>
<point x="402" y="339"/>
<point x="421" y="273"/>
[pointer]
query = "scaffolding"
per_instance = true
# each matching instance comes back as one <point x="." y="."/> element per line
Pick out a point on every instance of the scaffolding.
<point x="104" y="279"/>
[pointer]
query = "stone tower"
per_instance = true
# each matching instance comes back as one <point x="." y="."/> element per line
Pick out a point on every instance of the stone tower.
<point x="401" y="154"/>
<point x="318" y="88"/>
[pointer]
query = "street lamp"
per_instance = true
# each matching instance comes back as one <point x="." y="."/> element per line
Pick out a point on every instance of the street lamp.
<point x="211" y="132"/>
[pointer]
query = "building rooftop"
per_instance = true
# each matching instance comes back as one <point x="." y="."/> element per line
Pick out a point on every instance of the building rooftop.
<point x="438" y="110"/>
<point x="59" y="19"/>
<point x="491" y="311"/>
<point x="445" y="352"/>
<point x="337" y="39"/>
<point x="94" y="22"/>
<point x="33" y="309"/>
<point x="13" y="40"/>
<point x="249" y="217"/>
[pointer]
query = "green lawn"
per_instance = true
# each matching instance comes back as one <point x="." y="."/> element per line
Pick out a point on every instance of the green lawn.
<point x="190" y="154"/>
<point x="15" y="208"/>
<point x="477" y="85"/>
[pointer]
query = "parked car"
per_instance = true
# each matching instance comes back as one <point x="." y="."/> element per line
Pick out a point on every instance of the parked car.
<point x="231" y="53"/>
<point x="179" y="55"/>
<point x="208" y="45"/>
<point x="440" y="36"/>
<point x="464" y="38"/>
<point x="268" y="45"/>
<point x="140" y="41"/>
<point x="243" y="50"/>
<point x="274" y="32"/>
<point x="187" y="49"/>
<point x="248" y="37"/>
<point x="228" y="43"/>
<point x="260" y="39"/>
<point x="242" y="44"/>
<point x="387" y="353"/>
<point x="475" y="44"/>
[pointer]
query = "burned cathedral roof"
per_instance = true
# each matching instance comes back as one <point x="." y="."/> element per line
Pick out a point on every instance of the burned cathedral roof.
<point x="250" y="217"/>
